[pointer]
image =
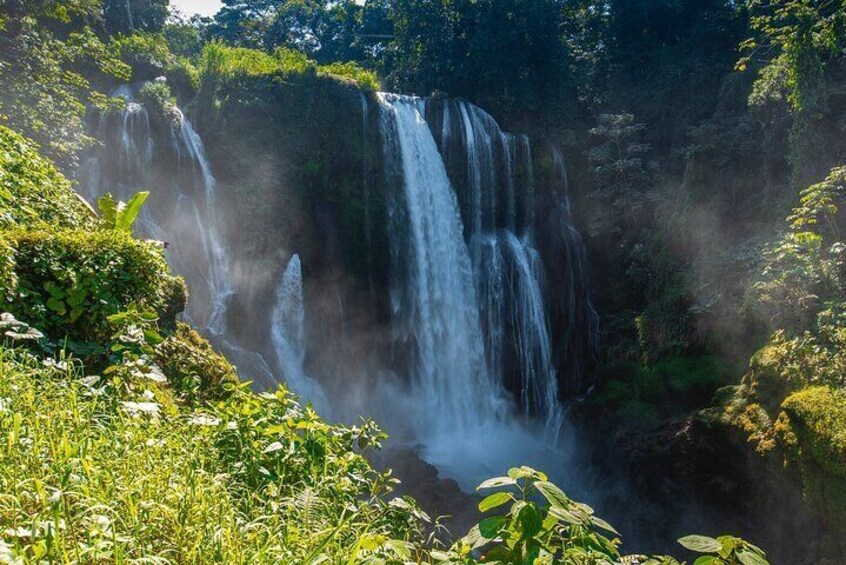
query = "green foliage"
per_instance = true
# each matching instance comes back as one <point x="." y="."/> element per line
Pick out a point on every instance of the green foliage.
<point x="544" y="526"/>
<point x="800" y="37"/>
<point x="363" y="77"/>
<point x="220" y="62"/>
<point x="126" y="16"/>
<point x="69" y="282"/>
<point x="142" y="50"/>
<point x="724" y="550"/>
<point x="32" y="191"/>
<point x="818" y="414"/>
<point x="638" y="396"/>
<point x="804" y="270"/>
<point x="616" y="158"/>
<point x="193" y="368"/>
<point x="48" y="54"/>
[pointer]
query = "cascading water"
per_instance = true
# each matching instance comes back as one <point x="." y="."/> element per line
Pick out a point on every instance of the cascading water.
<point x="287" y="333"/>
<point x="469" y="304"/>
<point x="494" y="166"/>
<point x="195" y="226"/>
<point x="437" y="307"/>
<point x="471" y="313"/>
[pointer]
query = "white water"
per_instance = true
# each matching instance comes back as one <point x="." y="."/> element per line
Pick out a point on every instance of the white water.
<point x="439" y="310"/>
<point x="467" y="298"/>
<point x="220" y="285"/>
<point x="455" y="320"/>
<point x="287" y="332"/>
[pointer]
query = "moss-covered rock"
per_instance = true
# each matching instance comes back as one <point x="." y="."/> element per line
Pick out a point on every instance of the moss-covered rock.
<point x="68" y="282"/>
<point x="192" y="366"/>
<point x="33" y="191"/>
<point x="818" y="417"/>
<point x="813" y="430"/>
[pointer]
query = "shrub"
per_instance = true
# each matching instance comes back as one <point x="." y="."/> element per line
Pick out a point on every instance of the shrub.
<point x="352" y="71"/>
<point x="184" y="77"/>
<point x="193" y="368"/>
<point x="251" y="479"/>
<point x="71" y="281"/>
<point x="158" y="98"/>
<point x="33" y="191"/>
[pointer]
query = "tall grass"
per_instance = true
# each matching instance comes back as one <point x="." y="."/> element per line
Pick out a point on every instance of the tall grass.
<point x="220" y="62"/>
<point x="90" y="477"/>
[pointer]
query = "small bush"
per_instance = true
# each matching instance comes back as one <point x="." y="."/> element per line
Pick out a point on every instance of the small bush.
<point x="157" y="97"/>
<point x="184" y="77"/>
<point x="147" y="53"/>
<point x="352" y="71"/>
<point x="193" y="368"/>
<point x="69" y="281"/>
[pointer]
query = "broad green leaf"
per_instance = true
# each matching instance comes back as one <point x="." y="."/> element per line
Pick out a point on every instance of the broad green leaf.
<point x="489" y="528"/>
<point x="567" y="516"/>
<point x="494" y="500"/>
<point x="707" y="560"/>
<point x="599" y="522"/>
<point x="525" y="472"/>
<point x="530" y="520"/>
<point x="497" y="482"/>
<point x="108" y="208"/>
<point x="56" y="306"/>
<point x="553" y="494"/>
<point x="748" y="557"/>
<point x="701" y="544"/>
<point x="127" y="216"/>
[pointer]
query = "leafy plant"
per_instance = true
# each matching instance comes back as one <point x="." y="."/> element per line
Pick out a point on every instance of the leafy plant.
<point x="119" y="215"/>
<point x="724" y="550"/>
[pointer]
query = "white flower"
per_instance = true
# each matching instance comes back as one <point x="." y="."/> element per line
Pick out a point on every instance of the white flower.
<point x="51" y="363"/>
<point x="136" y="408"/>
<point x="203" y="420"/>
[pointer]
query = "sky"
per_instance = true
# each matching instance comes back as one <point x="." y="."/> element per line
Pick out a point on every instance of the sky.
<point x="191" y="7"/>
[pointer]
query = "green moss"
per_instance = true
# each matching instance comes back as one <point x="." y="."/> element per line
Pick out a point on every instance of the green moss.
<point x="818" y="416"/>
<point x="813" y="431"/>
<point x="70" y="281"/>
<point x="192" y="366"/>
<point x="33" y="191"/>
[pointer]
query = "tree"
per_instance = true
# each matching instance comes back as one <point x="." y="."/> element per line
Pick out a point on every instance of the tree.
<point x="795" y="39"/>
<point x="127" y="16"/>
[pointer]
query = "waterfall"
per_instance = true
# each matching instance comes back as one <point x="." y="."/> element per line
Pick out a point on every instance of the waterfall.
<point x="579" y="333"/>
<point x="437" y="310"/>
<point x="220" y="286"/>
<point x="530" y="333"/>
<point x="194" y="226"/>
<point x="287" y="333"/>
<point x="493" y="172"/>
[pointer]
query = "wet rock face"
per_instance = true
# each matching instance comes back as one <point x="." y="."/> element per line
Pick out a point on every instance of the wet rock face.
<point x="438" y="497"/>
<point x="712" y="482"/>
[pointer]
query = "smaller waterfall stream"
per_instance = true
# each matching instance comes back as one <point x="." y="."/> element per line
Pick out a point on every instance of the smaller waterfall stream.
<point x="287" y="333"/>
